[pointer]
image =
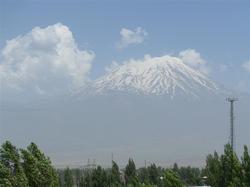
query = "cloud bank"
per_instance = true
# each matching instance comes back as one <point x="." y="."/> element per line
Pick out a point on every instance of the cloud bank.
<point x="129" y="37"/>
<point x="46" y="61"/>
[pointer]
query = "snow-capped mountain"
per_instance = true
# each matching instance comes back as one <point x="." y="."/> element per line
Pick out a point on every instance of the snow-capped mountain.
<point x="154" y="76"/>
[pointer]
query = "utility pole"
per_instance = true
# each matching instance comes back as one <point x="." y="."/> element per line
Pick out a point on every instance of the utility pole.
<point x="232" y="117"/>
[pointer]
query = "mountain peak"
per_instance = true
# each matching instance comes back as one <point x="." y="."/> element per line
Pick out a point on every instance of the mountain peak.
<point x="164" y="75"/>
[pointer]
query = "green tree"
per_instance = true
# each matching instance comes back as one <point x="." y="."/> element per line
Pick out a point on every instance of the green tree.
<point x="60" y="177"/>
<point x="99" y="177"/>
<point x="68" y="178"/>
<point x="115" y="178"/>
<point x="38" y="168"/>
<point x="78" y="177"/>
<point x="176" y="168"/>
<point x="11" y="168"/>
<point x="231" y="168"/>
<point x="143" y="176"/>
<point x="153" y="174"/>
<point x="5" y="176"/>
<point x="171" y="179"/>
<point x="130" y="174"/>
<point x="81" y="182"/>
<point x="214" y="170"/>
<point x="246" y="166"/>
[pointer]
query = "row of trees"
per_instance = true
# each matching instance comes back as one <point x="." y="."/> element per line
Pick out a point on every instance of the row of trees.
<point x="31" y="168"/>
<point x="114" y="177"/>
<point x="228" y="170"/>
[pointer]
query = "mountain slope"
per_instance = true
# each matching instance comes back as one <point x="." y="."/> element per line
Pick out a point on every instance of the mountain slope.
<point x="154" y="76"/>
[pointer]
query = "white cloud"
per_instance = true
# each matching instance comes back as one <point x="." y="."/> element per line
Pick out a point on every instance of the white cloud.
<point x="129" y="37"/>
<point x="246" y="66"/>
<point x="45" y="61"/>
<point x="192" y="58"/>
<point x="187" y="57"/>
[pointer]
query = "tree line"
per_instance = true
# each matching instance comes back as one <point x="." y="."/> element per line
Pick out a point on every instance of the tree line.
<point x="30" y="167"/>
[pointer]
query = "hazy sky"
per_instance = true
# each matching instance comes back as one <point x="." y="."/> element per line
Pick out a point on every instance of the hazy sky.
<point x="219" y="31"/>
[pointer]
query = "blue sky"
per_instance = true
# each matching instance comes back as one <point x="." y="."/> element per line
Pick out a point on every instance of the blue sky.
<point x="218" y="30"/>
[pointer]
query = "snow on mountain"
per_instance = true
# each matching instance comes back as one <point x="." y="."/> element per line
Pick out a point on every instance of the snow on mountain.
<point x="164" y="75"/>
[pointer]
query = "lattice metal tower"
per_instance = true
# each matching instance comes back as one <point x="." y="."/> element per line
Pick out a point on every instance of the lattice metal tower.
<point x="232" y="117"/>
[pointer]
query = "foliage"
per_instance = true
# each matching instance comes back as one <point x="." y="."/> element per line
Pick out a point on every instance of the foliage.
<point x="31" y="168"/>
<point x="246" y="166"/>
<point x="214" y="170"/>
<point x="25" y="168"/>
<point x="172" y="179"/>
<point x="99" y="177"/>
<point x="227" y="170"/>
<point x="11" y="167"/>
<point x="6" y="178"/>
<point x="115" y="176"/>
<point x="143" y="175"/>
<point x="130" y="174"/>
<point x="224" y="170"/>
<point x="153" y="174"/>
<point x="189" y="175"/>
<point x="38" y="168"/>
<point x="68" y="178"/>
